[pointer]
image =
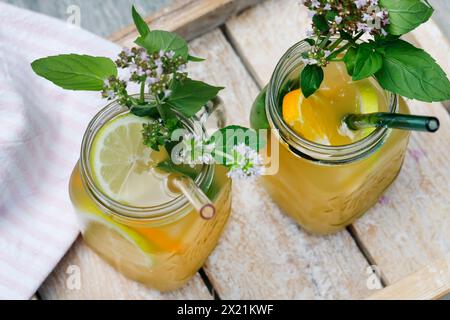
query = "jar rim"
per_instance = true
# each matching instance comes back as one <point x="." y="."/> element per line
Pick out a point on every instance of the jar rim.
<point x="306" y="148"/>
<point x="171" y="209"/>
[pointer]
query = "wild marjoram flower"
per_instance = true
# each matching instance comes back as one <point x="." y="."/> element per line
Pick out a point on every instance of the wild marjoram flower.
<point x="338" y="25"/>
<point x="158" y="65"/>
<point x="243" y="161"/>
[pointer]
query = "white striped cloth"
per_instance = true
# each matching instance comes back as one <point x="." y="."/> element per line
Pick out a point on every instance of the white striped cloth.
<point x="41" y="128"/>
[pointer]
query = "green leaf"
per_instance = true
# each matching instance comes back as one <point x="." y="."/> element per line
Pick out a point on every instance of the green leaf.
<point x="195" y="59"/>
<point x="350" y="59"/>
<point x="163" y="40"/>
<point x="258" y="117"/>
<point x="147" y="110"/>
<point x="406" y="15"/>
<point x="368" y="62"/>
<point x="311" y="79"/>
<point x="227" y="138"/>
<point x="330" y="15"/>
<point x="75" y="72"/>
<point x="321" y="23"/>
<point x="189" y="96"/>
<point x="310" y="41"/>
<point x="346" y="36"/>
<point x="141" y="25"/>
<point x="412" y="73"/>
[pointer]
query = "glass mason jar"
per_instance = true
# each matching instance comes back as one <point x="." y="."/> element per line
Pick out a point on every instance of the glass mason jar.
<point x="325" y="188"/>
<point x="161" y="246"/>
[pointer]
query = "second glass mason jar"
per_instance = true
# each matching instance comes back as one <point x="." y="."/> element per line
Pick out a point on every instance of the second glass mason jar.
<point x="326" y="188"/>
<point x="161" y="246"/>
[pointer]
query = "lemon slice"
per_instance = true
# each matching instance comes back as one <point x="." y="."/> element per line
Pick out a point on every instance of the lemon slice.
<point x="118" y="243"/>
<point x="122" y="166"/>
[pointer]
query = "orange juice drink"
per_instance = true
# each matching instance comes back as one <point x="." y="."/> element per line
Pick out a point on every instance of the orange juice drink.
<point x="127" y="211"/>
<point x="328" y="174"/>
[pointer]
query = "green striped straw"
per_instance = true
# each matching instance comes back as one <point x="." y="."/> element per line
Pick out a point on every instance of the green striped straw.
<point x="392" y="120"/>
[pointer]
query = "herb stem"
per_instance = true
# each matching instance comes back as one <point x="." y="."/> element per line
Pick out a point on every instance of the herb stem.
<point x="392" y="120"/>
<point x="336" y="44"/>
<point x="143" y="92"/>
<point x="159" y="107"/>
<point x="345" y="47"/>
<point x="324" y="41"/>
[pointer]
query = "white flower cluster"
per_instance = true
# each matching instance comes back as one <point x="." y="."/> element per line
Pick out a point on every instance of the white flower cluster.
<point x="156" y="69"/>
<point x="349" y="15"/>
<point x="243" y="161"/>
<point x="374" y="19"/>
<point x="195" y="150"/>
<point x="316" y="55"/>
<point x="247" y="163"/>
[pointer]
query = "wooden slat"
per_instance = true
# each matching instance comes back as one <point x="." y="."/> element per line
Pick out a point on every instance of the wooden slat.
<point x="429" y="283"/>
<point x="99" y="281"/>
<point x="189" y="18"/>
<point x="411" y="228"/>
<point x="263" y="254"/>
<point x="415" y="219"/>
<point x="98" y="16"/>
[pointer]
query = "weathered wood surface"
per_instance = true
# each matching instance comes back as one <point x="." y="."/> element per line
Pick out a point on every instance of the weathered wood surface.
<point x="189" y="18"/>
<point x="411" y="228"/>
<point x="429" y="283"/>
<point x="82" y="274"/>
<point x="101" y="17"/>
<point x="263" y="254"/>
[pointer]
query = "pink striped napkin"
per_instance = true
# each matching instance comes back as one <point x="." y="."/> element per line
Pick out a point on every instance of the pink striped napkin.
<point x="41" y="128"/>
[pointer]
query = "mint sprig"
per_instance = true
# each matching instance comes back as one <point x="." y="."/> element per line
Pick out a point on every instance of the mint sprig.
<point x="158" y="66"/>
<point x="397" y="65"/>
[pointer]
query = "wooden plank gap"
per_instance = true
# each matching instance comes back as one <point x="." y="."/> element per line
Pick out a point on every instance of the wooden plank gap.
<point x="190" y="20"/>
<point x="430" y="282"/>
<point x="209" y="284"/>
<point x="366" y="253"/>
<point x="229" y="37"/>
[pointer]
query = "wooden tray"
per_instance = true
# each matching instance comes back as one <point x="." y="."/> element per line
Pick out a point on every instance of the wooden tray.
<point x="263" y="254"/>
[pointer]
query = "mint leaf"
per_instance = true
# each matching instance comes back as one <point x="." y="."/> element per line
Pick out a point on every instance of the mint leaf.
<point x="195" y="59"/>
<point x="406" y="15"/>
<point x="141" y="25"/>
<point x="147" y="110"/>
<point x="350" y="59"/>
<point x="225" y="139"/>
<point x="367" y="62"/>
<point x="311" y="79"/>
<point x="412" y="73"/>
<point x="321" y="23"/>
<point x="75" y="72"/>
<point x="258" y="117"/>
<point x="163" y="40"/>
<point x="310" y="41"/>
<point x="189" y="96"/>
